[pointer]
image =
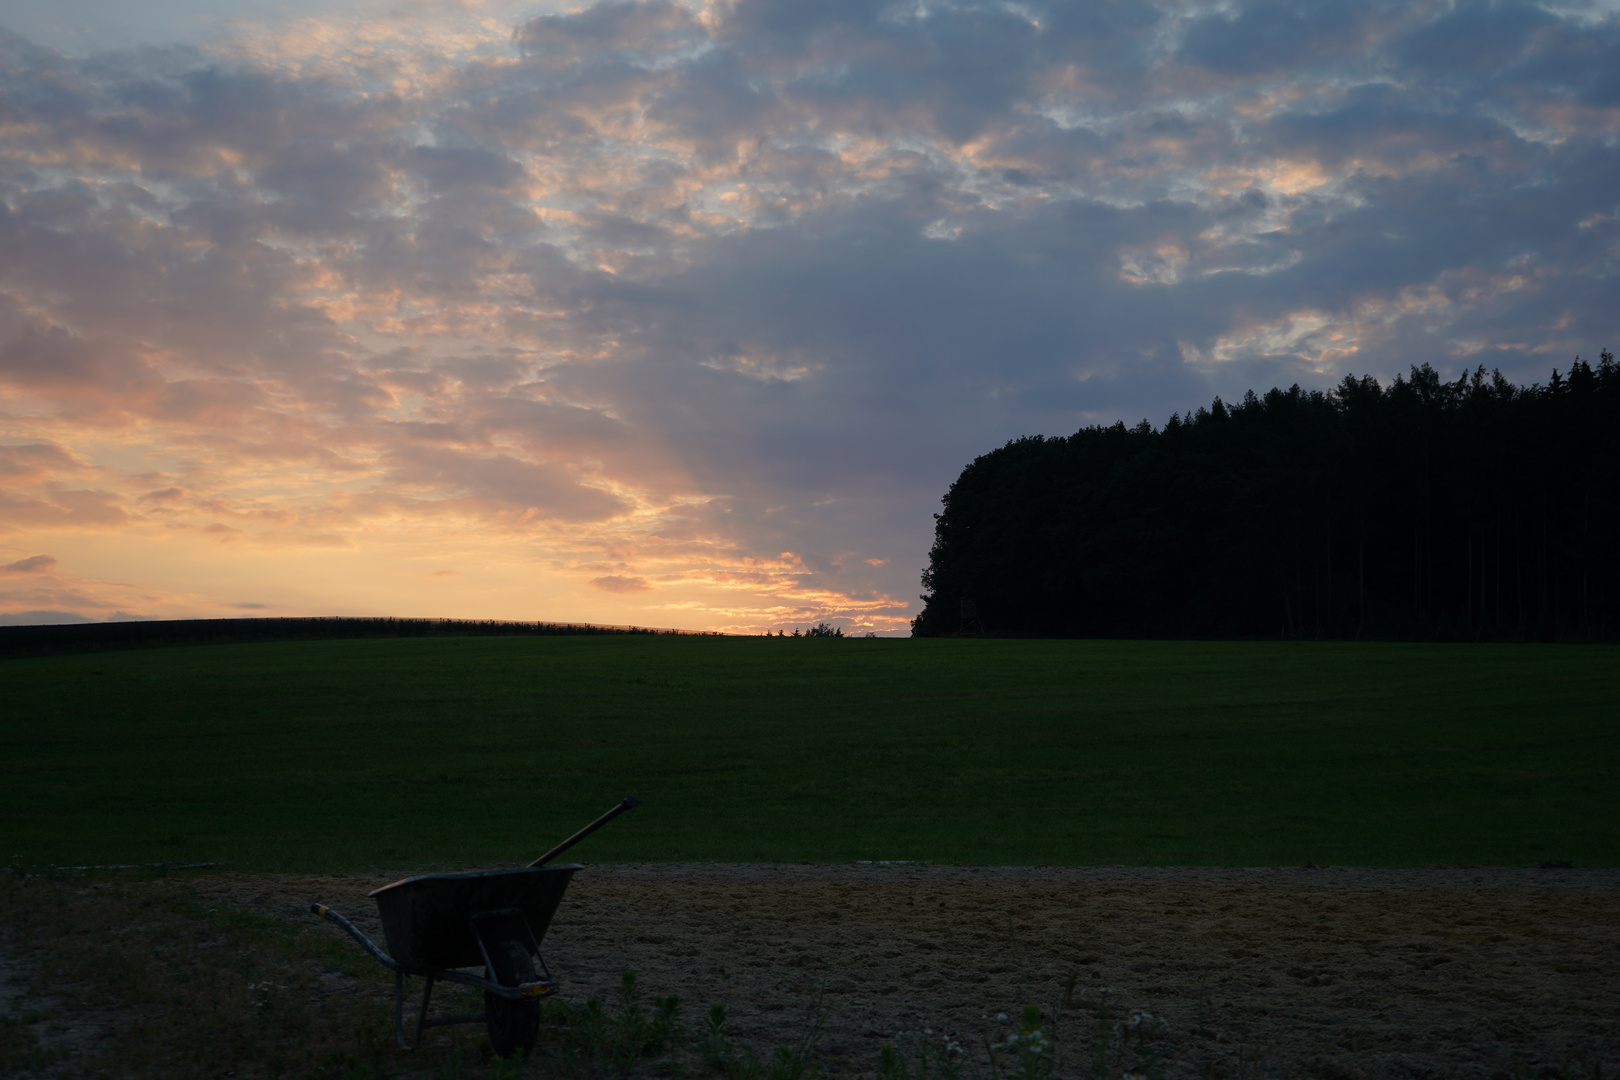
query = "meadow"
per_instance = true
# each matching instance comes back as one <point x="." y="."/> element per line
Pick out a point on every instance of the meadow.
<point x="418" y="753"/>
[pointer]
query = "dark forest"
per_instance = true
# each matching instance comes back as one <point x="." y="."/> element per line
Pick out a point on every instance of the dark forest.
<point x="1463" y="511"/>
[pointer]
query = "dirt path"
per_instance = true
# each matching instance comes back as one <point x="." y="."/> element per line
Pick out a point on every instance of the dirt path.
<point x="1336" y="972"/>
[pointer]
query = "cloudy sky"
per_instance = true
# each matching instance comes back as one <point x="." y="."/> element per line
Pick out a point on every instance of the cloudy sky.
<point x="685" y="314"/>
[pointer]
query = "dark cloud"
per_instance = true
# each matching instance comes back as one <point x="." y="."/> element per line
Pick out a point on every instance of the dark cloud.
<point x="615" y="32"/>
<point x="1478" y="39"/>
<point x="449" y="168"/>
<point x="1276" y="34"/>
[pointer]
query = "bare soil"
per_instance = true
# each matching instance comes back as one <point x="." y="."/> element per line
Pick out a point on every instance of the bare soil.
<point x="1478" y="973"/>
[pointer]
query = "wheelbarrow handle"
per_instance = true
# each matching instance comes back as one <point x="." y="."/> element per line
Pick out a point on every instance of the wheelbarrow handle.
<point x="629" y="802"/>
<point x="365" y="943"/>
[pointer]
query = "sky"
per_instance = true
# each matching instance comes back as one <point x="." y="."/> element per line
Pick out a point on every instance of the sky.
<point x="687" y="314"/>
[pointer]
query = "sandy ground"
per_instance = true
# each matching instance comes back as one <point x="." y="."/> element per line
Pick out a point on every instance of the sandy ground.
<point x="1487" y="973"/>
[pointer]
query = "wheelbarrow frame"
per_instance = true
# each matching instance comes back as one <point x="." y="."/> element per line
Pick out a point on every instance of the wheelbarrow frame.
<point x="423" y="926"/>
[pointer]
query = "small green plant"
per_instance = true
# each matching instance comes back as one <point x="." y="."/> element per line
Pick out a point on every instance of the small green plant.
<point x="1025" y="1052"/>
<point x="890" y="1064"/>
<point x="932" y="1057"/>
<point x="631" y="1040"/>
<point x="667" y="1031"/>
<point x="798" y="1060"/>
<point x="371" y="1063"/>
<point x="795" y="1062"/>
<point x="20" y="1050"/>
<point x="507" y="1068"/>
<point x="1032" y="1046"/>
<point x="716" y="1048"/>
<point x="1119" y="1049"/>
<point x="1136" y="1042"/>
<point x="1103" y="1032"/>
<point x="376" y="1045"/>
<point x="219" y="989"/>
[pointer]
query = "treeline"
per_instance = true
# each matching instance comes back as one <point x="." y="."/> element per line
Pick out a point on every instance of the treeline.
<point x="92" y="637"/>
<point x="1427" y="509"/>
<point x="818" y="630"/>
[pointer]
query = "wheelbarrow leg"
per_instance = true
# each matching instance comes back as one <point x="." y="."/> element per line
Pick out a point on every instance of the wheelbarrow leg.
<point x="399" y="1009"/>
<point x="421" y="1017"/>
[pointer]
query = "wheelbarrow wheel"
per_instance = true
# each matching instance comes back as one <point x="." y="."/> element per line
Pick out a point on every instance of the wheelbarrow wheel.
<point x="513" y="1025"/>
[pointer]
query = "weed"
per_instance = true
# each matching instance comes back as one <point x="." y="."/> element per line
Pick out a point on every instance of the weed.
<point x="933" y="1057"/>
<point x="592" y="1040"/>
<point x="716" y="1049"/>
<point x="667" y="1030"/>
<point x="370" y="1063"/>
<point x="20" y="1050"/>
<point x="1030" y="1047"/>
<point x="890" y="1065"/>
<point x="796" y="1061"/>
<point x="507" y="1068"/>
<point x="216" y="991"/>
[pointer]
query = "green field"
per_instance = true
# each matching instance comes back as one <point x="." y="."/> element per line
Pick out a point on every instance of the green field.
<point x="468" y="751"/>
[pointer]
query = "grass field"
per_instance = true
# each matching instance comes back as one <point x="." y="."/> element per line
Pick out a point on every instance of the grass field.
<point x="456" y="752"/>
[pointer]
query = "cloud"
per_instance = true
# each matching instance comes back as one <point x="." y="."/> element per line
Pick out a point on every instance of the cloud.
<point x="35" y="462"/>
<point x="34" y="564"/>
<point x="617" y="584"/>
<point x="60" y="508"/>
<point x="41" y="618"/>
<point x="1263" y="37"/>
<point x="677" y="288"/>
<point x="34" y="590"/>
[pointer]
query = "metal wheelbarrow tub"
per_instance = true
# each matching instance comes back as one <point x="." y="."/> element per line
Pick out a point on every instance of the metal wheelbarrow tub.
<point x="494" y="919"/>
<point x="437" y="921"/>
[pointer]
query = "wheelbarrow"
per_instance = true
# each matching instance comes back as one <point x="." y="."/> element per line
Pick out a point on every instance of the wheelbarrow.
<point x="437" y="923"/>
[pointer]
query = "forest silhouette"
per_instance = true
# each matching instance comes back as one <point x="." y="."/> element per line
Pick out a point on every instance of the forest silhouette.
<point x="1425" y="509"/>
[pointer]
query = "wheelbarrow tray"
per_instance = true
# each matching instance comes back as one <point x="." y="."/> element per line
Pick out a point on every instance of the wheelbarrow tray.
<point x="433" y="922"/>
